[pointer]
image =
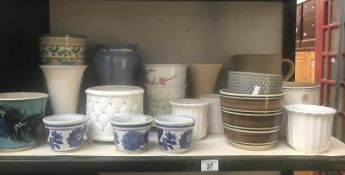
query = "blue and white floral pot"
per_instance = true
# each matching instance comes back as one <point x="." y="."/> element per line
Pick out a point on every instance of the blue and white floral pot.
<point x="131" y="132"/>
<point x="174" y="132"/>
<point x="66" y="131"/>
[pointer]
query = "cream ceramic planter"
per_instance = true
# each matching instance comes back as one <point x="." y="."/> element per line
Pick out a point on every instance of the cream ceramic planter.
<point x="309" y="127"/>
<point x="214" y="118"/>
<point x="105" y="102"/>
<point x="165" y="74"/>
<point x="158" y="97"/>
<point x="63" y="86"/>
<point x="196" y="108"/>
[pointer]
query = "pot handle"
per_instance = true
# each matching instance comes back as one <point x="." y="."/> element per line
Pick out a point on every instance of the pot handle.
<point x="291" y="69"/>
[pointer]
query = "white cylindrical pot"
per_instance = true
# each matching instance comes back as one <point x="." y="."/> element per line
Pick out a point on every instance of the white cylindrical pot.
<point x="196" y="108"/>
<point x="158" y="97"/>
<point x="298" y="93"/>
<point x="310" y="127"/>
<point x="215" y="121"/>
<point x="105" y="102"/>
<point x="165" y="74"/>
<point x="63" y="86"/>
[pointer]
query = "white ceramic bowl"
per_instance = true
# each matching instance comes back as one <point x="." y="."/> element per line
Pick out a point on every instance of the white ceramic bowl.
<point x="66" y="131"/>
<point x="165" y="74"/>
<point x="105" y="102"/>
<point x="158" y="97"/>
<point x="309" y="127"/>
<point x="131" y="132"/>
<point x="196" y="108"/>
<point x="174" y="132"/>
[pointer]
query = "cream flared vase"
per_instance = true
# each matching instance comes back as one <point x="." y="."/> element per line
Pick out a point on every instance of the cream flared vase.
<point x="63" y="86"/>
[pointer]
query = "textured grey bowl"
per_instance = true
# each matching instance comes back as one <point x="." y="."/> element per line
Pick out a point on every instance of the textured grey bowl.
<point x="245" y="82"/>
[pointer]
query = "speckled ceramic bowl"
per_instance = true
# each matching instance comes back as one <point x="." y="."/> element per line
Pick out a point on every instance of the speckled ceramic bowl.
<point x="131" y="132"/>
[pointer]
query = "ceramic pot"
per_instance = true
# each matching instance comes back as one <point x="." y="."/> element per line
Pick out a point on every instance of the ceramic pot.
<point x="63" y="86"/>
<point x="174" y="132"/>
<point x="246" y="82"/>
<point x="105" y="102"/>
<point x="309" y="127"/>
<point x="298" y="93"/>
<point x="62" y="49"/>
<point x="203" y="78"/>
<point x="66" y="131"/>
<point x="117" y="64"/>
<point x="165" y="74"/>
<point x="158" y="97"/>
<point x="268" y="64"/>
<point x="196" y="108"/>
<point x="131" y="132"/>
<point x="214" y="115"/>
<point x="21" y="119"/>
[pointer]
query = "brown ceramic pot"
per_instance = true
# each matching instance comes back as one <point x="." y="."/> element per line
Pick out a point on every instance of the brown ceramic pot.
<point x="251" y="121"/>
<point x="251" y="137"/>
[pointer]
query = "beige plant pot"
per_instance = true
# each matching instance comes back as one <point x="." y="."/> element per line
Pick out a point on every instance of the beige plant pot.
<point x="203" y="78"/>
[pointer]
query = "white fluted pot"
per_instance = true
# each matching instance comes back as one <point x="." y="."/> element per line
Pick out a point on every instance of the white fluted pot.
<point x="215" y="120"/>
<point x="63" y="86"/>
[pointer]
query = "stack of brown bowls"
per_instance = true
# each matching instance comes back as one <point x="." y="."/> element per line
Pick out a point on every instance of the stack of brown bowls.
<point x="252" y="109"/>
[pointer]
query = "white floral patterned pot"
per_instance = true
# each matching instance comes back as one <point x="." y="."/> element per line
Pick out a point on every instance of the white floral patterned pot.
<point x="105" y="102"/>
<point x="66" y="131"/>
<point x="131" y="132"/>
<point x="59" y="49"/>
<point x="174" y="132"/>
<point x="158" y="97"/>
<point x="196" y="108"/>
<point x="165" y="74"/>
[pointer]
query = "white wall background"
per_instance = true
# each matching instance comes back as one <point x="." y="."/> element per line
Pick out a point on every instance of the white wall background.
<point x="175" y="31"/>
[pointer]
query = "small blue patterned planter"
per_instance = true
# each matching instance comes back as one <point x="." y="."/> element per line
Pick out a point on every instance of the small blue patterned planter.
<point x="174" y="133"/>
<point x="131" y="132"/>
<point x="66" y="131"/>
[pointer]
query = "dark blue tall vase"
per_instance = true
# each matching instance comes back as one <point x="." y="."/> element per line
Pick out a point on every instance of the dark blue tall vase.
<point x="117" y="64"/>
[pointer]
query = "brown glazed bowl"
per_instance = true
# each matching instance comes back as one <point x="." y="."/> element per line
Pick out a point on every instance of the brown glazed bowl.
<point x="251" y="121"/>
<point x="251" y="137"/>
<point x="251" y="103"/>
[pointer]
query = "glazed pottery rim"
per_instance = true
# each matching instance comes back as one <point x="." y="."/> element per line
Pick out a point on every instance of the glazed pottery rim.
<point x="210" y="96"/>
<point x="253" y="131"/>
<point x="255" y="73"/>
<point x="166" y="65"/>
<point x="71" y="66"/>
<point x="205" y="65"/>
<point x="289" y="85"/>
<point x="252" y="114"/>
<point x="188" y="121"/>
<point x="252" y="144"/>
<point x="224" y="93"/>
<point x="117" y="46"/>
<point x="250" y="111"/>
<point x="310" y="109"/>
<point x="32" y="96"/>
<point x="184" y="85"/>
<point x="114" y="90"/>
<point x="64" y="120"/>
<point x="189" y="102"/>
<point x="251" y="128"/>
<point x="138" y="120"/>
<point x="63" y="35"/>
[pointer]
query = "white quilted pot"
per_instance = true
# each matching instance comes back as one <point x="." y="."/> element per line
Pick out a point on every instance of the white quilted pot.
<point x="105" y="102"/>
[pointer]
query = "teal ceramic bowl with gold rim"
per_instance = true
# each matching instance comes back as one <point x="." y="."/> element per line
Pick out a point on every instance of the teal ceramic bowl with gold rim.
<point x="21" y="114"/>
<point x="62" y="49"/>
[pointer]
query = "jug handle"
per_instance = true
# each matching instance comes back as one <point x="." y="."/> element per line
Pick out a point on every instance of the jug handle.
<point x="291" y="69"/>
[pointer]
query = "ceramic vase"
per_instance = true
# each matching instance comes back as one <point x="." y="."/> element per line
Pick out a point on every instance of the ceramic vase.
<point x="117" y="64"/>
<point x="57" y="49"/>
<point x="203" y="78"/>
<point x="196" y="108"/>
<point x="63" y="86"/>
<point x="105" y="102"/>
<point x="214" y="114"/>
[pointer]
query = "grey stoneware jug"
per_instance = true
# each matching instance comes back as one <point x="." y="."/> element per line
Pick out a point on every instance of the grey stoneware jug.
<point x="117" y="64"/>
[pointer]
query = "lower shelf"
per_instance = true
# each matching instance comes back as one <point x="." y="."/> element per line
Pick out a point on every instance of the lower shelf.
<point x="103" y="157"/>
